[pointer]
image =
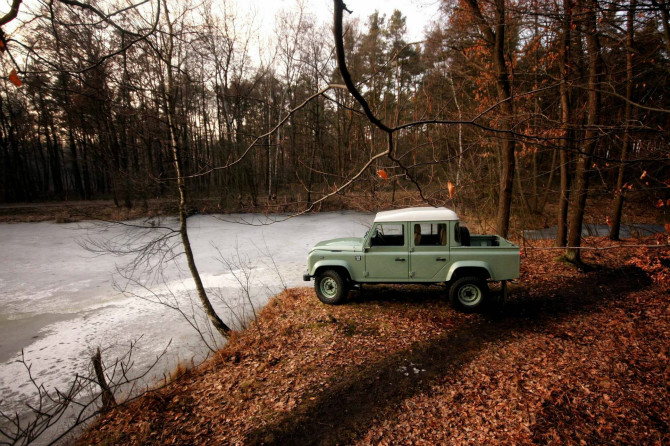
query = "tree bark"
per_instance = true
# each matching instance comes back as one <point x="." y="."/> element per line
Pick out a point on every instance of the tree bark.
<point x="496" y="43"/>
<point x="214" y="318"/>
<point x="76" y="171"/>
<point x="108" y="400"/>
<point x="665" y="21"/>
<point x="566" y="142"/>
<point x="625" y="146"/>
<point x="578" y="203"/>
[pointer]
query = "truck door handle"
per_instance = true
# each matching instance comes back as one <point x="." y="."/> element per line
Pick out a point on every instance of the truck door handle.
<point x="399" y="259"/>
<point x="441" y="259"/>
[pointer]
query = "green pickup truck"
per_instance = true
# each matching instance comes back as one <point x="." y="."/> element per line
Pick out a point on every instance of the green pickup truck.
<point x="414" y="245"/>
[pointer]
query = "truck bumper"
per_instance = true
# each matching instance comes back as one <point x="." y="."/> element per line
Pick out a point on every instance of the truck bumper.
<point x="306" y="277"/>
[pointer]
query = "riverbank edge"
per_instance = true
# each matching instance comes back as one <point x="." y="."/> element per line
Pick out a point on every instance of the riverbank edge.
<point x="637" y="210"/>
<point x="579" y="363"/>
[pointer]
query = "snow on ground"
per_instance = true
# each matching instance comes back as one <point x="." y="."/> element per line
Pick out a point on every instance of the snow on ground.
<point x="58" y="301"/>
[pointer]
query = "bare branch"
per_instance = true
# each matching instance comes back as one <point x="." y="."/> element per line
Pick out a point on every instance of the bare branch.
<point x="266" y="134"/>
<point x="11" y="15"/>
<point x="81" y="401"/>
<point x="344" y="71"/>
<point x="105" y="17"/>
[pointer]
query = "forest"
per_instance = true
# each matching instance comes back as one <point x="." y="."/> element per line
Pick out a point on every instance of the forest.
<point x="511" y="107"/>
<point x="518" y="114"/>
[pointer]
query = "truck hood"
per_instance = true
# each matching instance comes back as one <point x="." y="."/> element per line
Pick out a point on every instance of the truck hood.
<point x="340" y="244"/>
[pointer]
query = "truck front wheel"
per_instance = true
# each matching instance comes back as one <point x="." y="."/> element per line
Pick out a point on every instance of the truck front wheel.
<point x="468" y="294"/>
<point x="330" y="287"/>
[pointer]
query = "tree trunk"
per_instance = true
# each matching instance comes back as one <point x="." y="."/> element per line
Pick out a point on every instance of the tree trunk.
<point x="108" y="400"/>
<point x="547" y="189"/>
<point x="566" y="142"/>
<point x="564" y="198"/>
<point x="496" y="43"/>
<point x="54" y="151"/>
<point x="665" y="19"/>
<point x="214" y="318"/>
<point x="508" y="145"/>
<point x="625" y="146"/>
<point x="591" y="136"/>
<point x="76" y="171"/>
<point x="450" y="78"/>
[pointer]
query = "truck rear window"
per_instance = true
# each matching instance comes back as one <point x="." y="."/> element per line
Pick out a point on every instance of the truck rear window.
<point x="430" y="234"/>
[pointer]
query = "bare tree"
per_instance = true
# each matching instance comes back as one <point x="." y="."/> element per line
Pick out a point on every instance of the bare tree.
<point x="626" y="142"/>
<point x="53" y="414"/>
<point x="588" y="9"/>
<point x="494" y="35"/>
<point x="169" y="105"/>
<point x="566" y="143"/>
<point x="504" y="94"/>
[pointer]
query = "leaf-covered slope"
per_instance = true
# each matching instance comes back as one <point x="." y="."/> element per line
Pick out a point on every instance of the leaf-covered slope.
<point x="571" y="358"/>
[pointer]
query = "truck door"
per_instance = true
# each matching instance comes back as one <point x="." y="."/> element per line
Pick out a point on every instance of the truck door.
<point x="387" y="258"/>
<point x="429" y="251"/>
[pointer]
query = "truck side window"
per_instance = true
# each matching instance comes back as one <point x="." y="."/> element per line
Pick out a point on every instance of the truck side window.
<point x="430" y="234"/>
<point x="457" y="233"/>
<point x="388" y="234"/>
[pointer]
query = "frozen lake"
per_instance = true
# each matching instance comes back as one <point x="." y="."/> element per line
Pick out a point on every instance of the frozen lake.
<point x="58" y="301"/>
<point x="591" y="230"/>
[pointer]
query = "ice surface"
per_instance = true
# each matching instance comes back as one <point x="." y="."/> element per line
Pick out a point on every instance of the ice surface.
<point x="592" y="230"/>
<point x="58" y="302"/>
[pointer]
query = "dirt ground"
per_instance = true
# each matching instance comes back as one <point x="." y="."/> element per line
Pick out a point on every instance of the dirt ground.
<point x="572" y="357"/>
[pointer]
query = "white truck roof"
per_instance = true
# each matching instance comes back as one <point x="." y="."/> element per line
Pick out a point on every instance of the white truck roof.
<point x="417" y="214"/>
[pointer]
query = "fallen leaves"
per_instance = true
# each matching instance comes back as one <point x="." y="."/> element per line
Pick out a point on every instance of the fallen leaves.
<point x="577" y="358"/>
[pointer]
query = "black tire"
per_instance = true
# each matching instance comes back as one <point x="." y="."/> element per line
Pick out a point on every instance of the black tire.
<point x="468" y="294"/>
<point x="330" y="287"/>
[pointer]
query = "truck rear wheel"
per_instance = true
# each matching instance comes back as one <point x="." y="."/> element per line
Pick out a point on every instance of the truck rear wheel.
<point x="468" y="294"/>
<point x="330" y="287"/>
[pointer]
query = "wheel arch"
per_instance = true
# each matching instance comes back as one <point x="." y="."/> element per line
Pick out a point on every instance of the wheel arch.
<point x="341" y="267"/>
<point x="469" y="268"/>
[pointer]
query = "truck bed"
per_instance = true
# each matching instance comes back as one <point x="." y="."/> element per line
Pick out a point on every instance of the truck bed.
<point x="489" y="240"/>
<point x="501" y="256"/>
